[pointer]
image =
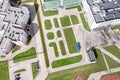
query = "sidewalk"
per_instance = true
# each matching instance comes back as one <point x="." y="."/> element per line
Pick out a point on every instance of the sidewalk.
<point x="109" y="54"/>
<point x="98" y="75"/>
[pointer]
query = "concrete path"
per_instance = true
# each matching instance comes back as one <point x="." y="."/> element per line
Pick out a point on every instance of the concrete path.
<point x="105" y="61"/>
<point x="13" y="67"/>
<point x="40" y="55"/>
<point x="98" y="75"/>
<point x="109" y="54"/>
<point x="43" y="70"/>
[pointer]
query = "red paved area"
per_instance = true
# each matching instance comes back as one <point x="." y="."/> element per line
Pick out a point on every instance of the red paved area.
<point x="79" y="76"/>
<point x="111" y="78"/>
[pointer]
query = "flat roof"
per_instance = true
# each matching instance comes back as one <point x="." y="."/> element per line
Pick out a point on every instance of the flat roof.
<point x="105" y="10"/>
<point x="9" y="31"/>
<point x="91" y="56"/>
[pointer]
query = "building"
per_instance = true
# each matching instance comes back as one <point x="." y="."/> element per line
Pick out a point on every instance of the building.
<point x="101" y="13"/>
<point x="13" y="21"/>
<point x="91" y="56"/>
<point x="55" y="4"/>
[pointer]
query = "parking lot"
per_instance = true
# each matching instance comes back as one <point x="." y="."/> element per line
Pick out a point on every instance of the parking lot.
<point x="21" y="70"/>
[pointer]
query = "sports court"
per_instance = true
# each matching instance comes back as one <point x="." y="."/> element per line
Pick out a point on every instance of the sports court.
<point x="79" y="77"/>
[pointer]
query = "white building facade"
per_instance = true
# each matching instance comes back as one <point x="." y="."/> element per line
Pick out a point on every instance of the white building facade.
<point x="101" y="13"/>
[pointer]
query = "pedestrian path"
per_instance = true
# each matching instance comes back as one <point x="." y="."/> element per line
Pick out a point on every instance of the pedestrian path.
<point x="98" y="75"/>
<point x="109" y="54"/>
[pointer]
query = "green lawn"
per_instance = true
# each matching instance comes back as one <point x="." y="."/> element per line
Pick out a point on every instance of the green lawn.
<point x="50" y="35"/>
<point x="78" y="7"/>
<point x="71" y="41"/>
<point x="50" y="13"/>
<point x="85" y="23"/>
<point x="56" y="22"/>
<point x="116" y="27"/>
<point x="62" y="47"/>
<point x="113" y="74"/>
<point x="48" y="24"/>
<point x="34" y="70"/>
<point x="59" y="34"/>
<point x="85" y="70"/>
<point x="4" y="72"/>
<point x="66" y="61"/>
<point x="16" y="48"/>
<point x="111" y="62"/>
<point x="65" y="21"/>
<point x="29" y="54"/>
<point x="113" y="50"/>
<point x="74" y="19"/>
<point x="53" y="44"/>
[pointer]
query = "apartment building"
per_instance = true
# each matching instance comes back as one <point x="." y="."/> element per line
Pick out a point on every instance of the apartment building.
<point x="13" y="21"/>
<point x="101" y="13"/>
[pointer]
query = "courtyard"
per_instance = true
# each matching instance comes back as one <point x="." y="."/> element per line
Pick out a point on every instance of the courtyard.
<point x="60" y="30"/>
<point x="61" y="35"/>
<point x="69" y="26"/>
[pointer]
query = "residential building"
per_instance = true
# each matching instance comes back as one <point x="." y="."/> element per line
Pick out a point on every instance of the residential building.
<point x="13" y="21"/>
<point x="101" y="13"/>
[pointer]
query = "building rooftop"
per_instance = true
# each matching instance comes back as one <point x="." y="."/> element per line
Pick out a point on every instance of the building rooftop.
<point x="54" y="4"/>
<point x="91" y="55"/>
<point x="13" y="21"/>
<point x="105" y="10"/>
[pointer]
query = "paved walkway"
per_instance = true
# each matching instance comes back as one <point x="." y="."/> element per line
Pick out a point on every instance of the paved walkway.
<point x="43" y="70"/>
<point x="109" y="54"/>
<point x="21" y="65"/>
<point x="81" y="63"/>
<point x="98" y="75"/>
<point x="105" y="61"/>
<point x="43" y="73"/>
